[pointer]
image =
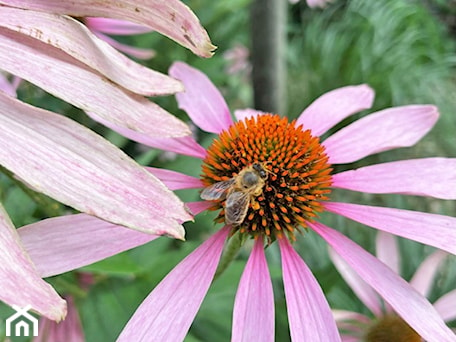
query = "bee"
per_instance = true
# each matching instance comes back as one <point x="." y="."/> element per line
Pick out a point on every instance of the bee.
<point x="239" y="192"/>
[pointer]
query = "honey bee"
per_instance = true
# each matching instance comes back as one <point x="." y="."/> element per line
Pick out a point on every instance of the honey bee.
<point x="239" y="192"/>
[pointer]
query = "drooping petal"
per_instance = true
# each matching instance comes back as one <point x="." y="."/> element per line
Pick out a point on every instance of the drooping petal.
<point x="72" y="37"/>
<point x="72" y="164"/>
<point x="171" y="18"/>
<point x="115" y="26"/>
<point x="61" y="244"/>
<point x="66" y="78"/>
<point x="430" y="229"/>
<point x="170" y="308"/>
<point x="308" y="311"/>
<point x="387" y="250"/>
<point x="424" y="276"/>
<point x="19" y="281"/>
<point x="385" y="130"/>
<point x="127" y="49"/>
<point x="242" y="114"/>
<point x="175" y="180"/>
<point x="363" y="291"/>
<point x="405" y="300"/>
<point x="183" y="145"/>
<point x="410" y="177"/>
<point x="446" y="307"/>
<point x="334" y="106"/>
<point x="201" y="100"/>
<point x="198" y="207"/>
<point x="253" y="315"/>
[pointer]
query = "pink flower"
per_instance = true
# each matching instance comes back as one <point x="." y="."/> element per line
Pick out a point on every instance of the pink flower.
<point x="313" y="3"/>
<point x="289" y="181"/>
<point x="385" y="321"/>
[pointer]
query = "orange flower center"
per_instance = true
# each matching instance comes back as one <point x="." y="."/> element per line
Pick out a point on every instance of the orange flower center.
<point x="267" y="175"/>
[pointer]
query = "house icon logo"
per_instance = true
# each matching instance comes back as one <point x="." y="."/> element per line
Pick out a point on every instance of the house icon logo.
<point x="21" y="322"/>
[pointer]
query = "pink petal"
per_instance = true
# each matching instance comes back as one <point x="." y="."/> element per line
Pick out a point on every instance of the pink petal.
<point x="171" y="18"/>
<point x="73" y="38"/>
<point x="253" y="316"/>
<point x="363" y="291"/>
<point x="6" y="86"/>
<point x="430" y="229"/>
<point x="446" y="306"/>
<point x="343" y="315"/>
<point x="385" y="130"/>
<point x="201" y="100"/>
<point x="77" y="167"/>
<point x="334" y="106"/>
<point x="317" y="3"/>
<point x="242" y="114"/>
<point x="19" y="282"/>
<point x="183" y="145"/>
<point x="61" y="75"/>
<point x="388" y="250"/>
<point x="424" y="276"/>
<point x="127" y="49"/>
<point x="410" y="177"/>
<point x="198" y="207"/>
<point x="115" y="26"/>
<point x="61" y="244"/>
<point x="175" y="180"/>
<point x="405" y="300"/>
<point x="170" y="308"/>
<point x="308" y="311"/>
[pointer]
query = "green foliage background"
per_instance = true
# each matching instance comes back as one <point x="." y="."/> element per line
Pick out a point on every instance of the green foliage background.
<point x="404" y="49"/>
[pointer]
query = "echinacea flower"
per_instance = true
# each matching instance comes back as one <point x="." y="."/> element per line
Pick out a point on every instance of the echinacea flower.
<point x="296" y="180"/>
<point x="386" y="325"/>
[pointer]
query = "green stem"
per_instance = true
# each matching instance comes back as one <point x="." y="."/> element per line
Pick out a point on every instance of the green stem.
<point x="230" y="252"/>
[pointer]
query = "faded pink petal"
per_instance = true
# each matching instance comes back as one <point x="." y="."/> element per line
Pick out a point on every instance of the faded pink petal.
<point x="363" y="291"/>
<point x="175" y="180"/>
<point x="171" y="307"/>
<point x="61" y="75"/>
<point x="387" y="250"/>
<point x="430" y="229"/>
<point x="308" y="311"/>
<point x="410" y="177"/>
<point x="318" y="3"/>
<point x="342" y="315"/>
<point x="253" y="316"/>
<point x="61" y="244"/>
<point x="198" y="207"/>
<point x="242" y="114"/>
<point x="115" y="26"/>
<point x="19" y="281"/>
<point x="201" y="100"/>
<point x="171" y="18"/>
<point x="334" y="106"/>
<point x="446" y="306"/>
<point x="69" y="330"/>
<point x="385" y="130"/>
<point x="183" y="145"/>
<point x="424" y="276"/>
<point x="73" y="38"/>
<point x="405" y="300"/>
<point x="6" y="86"/>
<point x="72" y="164"/>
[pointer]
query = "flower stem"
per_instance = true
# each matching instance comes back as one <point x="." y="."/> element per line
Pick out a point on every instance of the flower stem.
<point x="231" y="251"/>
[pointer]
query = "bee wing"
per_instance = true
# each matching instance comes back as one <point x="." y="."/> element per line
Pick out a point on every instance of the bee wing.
<point x="236" y="207"/>
<point x="217" y="190"/>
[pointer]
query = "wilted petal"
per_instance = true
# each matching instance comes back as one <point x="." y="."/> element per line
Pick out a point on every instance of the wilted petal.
<point x="201" y="100"/>
<point x="127" y="49"/>
<point x="253" y="315"/>
<point x="446" y="307"/>
<point x="430" y="229"/>
<point x="410" y="177"/>
<point x="19" y="281"/>
<point x="61" y="244"/>
<point x="424" y="276"/>
<point x="63" y="76"/>
<point x="175" y="180"/>
<point x="183" y="145"/>
<point x="334" y="106"/>
<point x="171" y="18"/>
<point x="72" y="37"/>
<point x="72" y="164"/>
<point x="387" y="250"/>
<point x="363" y="291"/>
<point x="115" y="26"/>
<point x="385" y="130"/>
<point x="404" y="299"/>
<point x="169" y="310"/>
<point x="308" y="311"/>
